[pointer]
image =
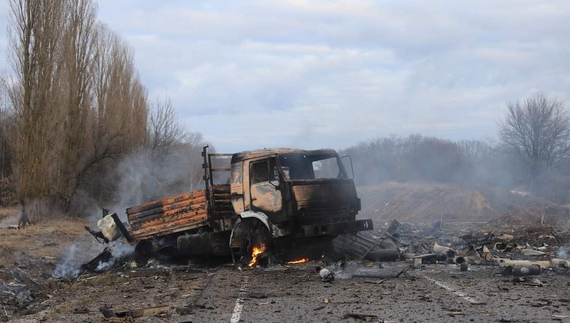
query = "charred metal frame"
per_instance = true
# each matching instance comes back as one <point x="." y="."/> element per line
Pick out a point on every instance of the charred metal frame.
<point x="205" y="218"/>
<point x="122" y="228"/>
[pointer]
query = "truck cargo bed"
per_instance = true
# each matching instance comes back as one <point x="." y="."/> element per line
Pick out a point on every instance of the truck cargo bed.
<point x="173" y="214"/>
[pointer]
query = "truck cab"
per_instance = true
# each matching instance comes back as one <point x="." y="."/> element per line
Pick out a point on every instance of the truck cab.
<point x="297" y="194"/>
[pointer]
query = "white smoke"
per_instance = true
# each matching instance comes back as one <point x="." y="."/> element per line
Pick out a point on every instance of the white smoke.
<point x="119" y="251"/>
<point x="140" y="177"/>
<point x="83" y="249"/>
<point x="68" y="267"/>
<point x="145" y="176"/>
<point x="562" y="253"/>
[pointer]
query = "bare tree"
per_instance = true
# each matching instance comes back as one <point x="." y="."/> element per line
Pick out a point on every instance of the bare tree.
<point x="165" y="133"/>
<point x="537" y="130"/>
<point x="76" y="97"/>
<point x="35" y="31"/>
<point x="6" y="127"/>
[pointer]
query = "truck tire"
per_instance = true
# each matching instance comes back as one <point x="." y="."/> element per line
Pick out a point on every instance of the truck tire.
<point x="144" y="250"/>
<point x="255" y="234"/>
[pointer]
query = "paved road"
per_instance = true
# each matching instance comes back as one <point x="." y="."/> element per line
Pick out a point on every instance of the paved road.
<point x="440" y="293"/>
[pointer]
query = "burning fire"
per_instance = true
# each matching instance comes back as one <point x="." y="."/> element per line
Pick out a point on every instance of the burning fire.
<point x="300" y="261"/>
<point x="256" y="252"/>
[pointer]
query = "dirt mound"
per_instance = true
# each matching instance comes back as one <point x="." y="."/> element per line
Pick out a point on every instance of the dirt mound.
<point x="423" y="202"/>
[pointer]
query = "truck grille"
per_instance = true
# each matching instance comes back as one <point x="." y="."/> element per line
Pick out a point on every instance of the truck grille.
<point x="326" y="210"/>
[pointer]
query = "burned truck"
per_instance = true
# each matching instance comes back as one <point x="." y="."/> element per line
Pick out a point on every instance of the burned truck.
<point x="287" y="203"/>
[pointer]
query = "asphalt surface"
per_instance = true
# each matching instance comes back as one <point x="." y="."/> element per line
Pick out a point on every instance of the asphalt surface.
<point x="361" y="292"/>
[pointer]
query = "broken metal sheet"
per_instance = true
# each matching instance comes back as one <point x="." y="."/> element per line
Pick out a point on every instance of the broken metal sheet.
<point x="360" y="246"/>
<point x="102" y="257"/>
<point x="393" y="226"/>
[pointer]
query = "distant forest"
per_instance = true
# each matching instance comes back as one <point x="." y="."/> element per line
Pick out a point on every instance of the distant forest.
<point x="468" y="164"/>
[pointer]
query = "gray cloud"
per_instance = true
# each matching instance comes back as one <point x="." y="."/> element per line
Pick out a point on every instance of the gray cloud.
<point x="250" y="74"/>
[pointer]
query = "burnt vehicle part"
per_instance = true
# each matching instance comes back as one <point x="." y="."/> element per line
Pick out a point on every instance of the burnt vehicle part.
<point x="360" y="246"/>
<point x="295" y="194"/>
<point x="110" y="229"/>
<point x="271" y="198"/>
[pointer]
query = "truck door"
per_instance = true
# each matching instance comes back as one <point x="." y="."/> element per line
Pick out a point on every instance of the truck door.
<point x="265" y="189"/>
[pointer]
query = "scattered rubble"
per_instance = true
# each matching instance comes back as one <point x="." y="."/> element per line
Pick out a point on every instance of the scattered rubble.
<point x="516" y="258"/>
<point x="150" y="311"/>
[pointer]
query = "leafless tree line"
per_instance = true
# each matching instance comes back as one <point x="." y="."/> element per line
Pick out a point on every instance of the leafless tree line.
<point x="430" y="159"/>
<point x="74" y="106"/>
<point x="533" y="154"/>
<point x="537" y="130"/>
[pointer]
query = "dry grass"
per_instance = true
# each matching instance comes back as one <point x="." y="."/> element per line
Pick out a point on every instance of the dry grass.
<point x="43" y="240"/>
<point x="427" y="202"/>
<point x="8" y="211"/>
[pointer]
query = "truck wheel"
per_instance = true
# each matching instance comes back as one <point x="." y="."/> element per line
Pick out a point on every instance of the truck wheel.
<point x="255" y="237"/>
<point x="144" y="250"/>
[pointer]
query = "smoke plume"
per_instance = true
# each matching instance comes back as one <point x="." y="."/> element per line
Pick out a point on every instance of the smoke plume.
<point x="119" y="251"/>
<point x="68" y="267"/>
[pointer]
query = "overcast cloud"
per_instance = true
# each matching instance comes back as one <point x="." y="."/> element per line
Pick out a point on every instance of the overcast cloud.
<point x="310" y="74"/>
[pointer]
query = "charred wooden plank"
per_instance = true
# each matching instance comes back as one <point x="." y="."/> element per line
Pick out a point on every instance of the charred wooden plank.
<point x="169" y="215"/>
<point x="168" y="200"/>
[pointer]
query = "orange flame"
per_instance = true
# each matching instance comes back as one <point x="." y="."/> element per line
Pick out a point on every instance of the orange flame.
<point x="255" y="253"/>
<point x="300" y="261"/>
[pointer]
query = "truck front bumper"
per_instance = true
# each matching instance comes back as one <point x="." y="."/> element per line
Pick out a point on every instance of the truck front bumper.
<point x="314" y="230"/>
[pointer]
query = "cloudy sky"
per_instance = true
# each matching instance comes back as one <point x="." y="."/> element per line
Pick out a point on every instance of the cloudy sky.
<point x="252" y="74"/>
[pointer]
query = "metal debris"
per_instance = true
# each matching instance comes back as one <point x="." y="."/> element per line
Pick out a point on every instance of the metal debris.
<point x="149" y="311"/>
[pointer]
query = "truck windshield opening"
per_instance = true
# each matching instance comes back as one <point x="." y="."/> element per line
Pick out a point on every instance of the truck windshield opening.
<point x="310" y="167"/>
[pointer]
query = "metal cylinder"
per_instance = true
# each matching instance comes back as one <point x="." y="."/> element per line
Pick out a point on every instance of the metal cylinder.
<point x="459" y="260"/>
<point x="195" y="244"/>
<point x="522" y="270"/>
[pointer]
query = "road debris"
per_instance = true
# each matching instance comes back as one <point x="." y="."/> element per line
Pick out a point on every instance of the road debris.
<point x="149" y="311"/>
<point x="326" y="274"/>
<point x="528" y="282"/>
<point x="521" y="270"/>
<point x="454" y="314"/>
<point x="363" y="317"/>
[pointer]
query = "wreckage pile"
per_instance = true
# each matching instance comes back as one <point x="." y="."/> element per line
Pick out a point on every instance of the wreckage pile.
<point x="517" y="248"/>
